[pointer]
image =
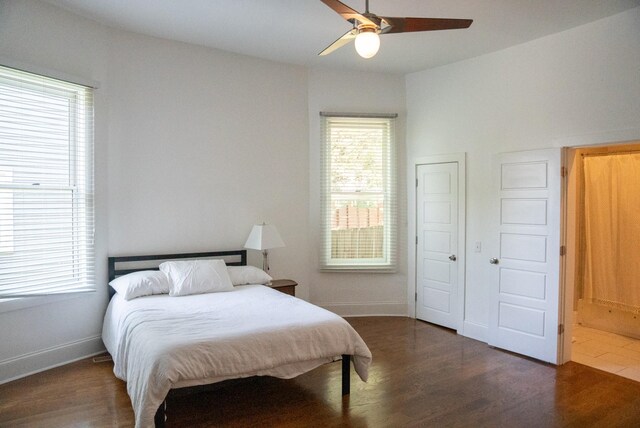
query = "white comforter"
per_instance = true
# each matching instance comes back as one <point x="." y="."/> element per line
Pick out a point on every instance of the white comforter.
<point x="161" y="342"/>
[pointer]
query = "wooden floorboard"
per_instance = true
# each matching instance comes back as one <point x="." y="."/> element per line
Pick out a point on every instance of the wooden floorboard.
<point x="422" y="376"/>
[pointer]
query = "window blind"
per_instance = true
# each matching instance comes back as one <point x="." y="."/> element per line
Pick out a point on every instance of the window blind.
<point x="358" y="191"/>
<point x="46" y="186"/>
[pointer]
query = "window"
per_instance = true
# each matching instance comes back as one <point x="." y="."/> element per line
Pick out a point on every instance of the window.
<point x="358" y="192"/>
<point x="46" y="186"/>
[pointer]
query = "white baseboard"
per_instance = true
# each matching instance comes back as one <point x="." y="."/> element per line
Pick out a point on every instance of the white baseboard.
<point x="475" y="331"/>
<point x="366" y="309"/>
<point x="45" y="359"/>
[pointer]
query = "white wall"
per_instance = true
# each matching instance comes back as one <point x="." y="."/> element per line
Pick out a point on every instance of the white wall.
<point x="193" y="146"/>
<point x="580" y="86"/>
<point x="204" y="144"/>
<point x="57" y="331"/>
<point x="357" y="92"/>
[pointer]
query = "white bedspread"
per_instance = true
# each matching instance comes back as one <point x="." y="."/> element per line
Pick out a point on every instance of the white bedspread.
<point x="161" y="342"/>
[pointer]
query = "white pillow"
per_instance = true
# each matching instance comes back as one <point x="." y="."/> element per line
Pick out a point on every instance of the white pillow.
<point x="241" y="275"/>
<point x="142" y="283"/>
<point x="196" y="277"/>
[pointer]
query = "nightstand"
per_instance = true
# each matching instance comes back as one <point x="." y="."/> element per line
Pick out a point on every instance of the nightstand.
<point x="286" y="286"/>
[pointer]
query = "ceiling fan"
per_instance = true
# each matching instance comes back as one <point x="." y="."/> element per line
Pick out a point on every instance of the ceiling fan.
<point x="367" y="26"/>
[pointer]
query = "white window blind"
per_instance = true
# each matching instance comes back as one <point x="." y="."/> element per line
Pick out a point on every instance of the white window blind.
<point x="358" y="191"/>
<point x="46" y="186"/>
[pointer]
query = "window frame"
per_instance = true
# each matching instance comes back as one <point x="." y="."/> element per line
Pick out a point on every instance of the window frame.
<point x="80" y="183"/>
<point x="389" y="195"/>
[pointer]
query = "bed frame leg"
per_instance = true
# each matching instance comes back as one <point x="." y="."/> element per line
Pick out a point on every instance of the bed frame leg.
<point x="160" y="417"/>
<point x="346" y="375"/>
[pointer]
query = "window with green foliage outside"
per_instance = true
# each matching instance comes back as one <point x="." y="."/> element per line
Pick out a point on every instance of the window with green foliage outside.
<point x="358" y="193"/>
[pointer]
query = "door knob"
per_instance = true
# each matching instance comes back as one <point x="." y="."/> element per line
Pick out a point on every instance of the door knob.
<point x="493" y="261"/>
<point x="453" y="257"/>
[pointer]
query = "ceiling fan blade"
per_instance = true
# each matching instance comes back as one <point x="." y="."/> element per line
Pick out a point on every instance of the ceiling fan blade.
<point x="346" y="38"/>
<point x="347" y="13"/>
<point x="406" y="25"/>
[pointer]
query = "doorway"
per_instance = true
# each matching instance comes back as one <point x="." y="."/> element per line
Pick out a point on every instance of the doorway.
<point x="603" y="263"/>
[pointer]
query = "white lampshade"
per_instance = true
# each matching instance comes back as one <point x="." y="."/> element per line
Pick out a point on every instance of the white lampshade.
<point x="367" y="43"/>
<point x="264" y="237"/>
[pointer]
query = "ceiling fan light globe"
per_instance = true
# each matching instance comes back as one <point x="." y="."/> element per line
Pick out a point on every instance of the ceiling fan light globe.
<point x="367" y="44"/>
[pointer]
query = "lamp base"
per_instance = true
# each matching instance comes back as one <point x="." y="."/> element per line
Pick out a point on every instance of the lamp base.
<point x="265" y="261"/>
<point x="265" y="264"/>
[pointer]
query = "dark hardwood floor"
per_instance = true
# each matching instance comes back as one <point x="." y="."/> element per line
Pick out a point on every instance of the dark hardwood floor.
<point x="422" y="376"/>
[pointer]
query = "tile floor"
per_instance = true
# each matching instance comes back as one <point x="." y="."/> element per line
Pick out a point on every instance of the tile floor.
<point x="606" y="351"/>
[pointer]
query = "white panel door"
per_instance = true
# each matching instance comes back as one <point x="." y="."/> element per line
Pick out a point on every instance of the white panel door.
<point x="525" y="254"/>
<point x="437" y="224"/>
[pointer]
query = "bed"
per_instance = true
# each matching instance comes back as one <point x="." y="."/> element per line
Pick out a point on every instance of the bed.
<point x="161" y="343"/>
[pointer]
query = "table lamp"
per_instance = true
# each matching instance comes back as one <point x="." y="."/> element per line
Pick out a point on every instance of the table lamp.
<point x="264" y="237"/>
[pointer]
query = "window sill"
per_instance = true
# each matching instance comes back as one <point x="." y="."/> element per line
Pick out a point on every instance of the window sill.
<point x="351" y="269"/>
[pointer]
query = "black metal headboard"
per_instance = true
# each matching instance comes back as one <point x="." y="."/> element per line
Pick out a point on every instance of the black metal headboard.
<point x="123" y="265"/>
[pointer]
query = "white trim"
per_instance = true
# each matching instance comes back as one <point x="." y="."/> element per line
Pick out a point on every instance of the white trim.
<point x="565" y="297"/>
<point x="392" y="309"/>
<point x="613" y="137"/>
<point x="475" y="331"/>
<point x="359" y="115"/>
<point x="48" y="72"/>
<point x="45" y="359"/>
<point x="460" y="158"/>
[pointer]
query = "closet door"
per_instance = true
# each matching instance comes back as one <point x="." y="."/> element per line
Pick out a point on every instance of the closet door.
<point x="437" y="244"/>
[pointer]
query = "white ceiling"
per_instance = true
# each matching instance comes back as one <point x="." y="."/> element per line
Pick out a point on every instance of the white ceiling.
<point x="294" y="31"/>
